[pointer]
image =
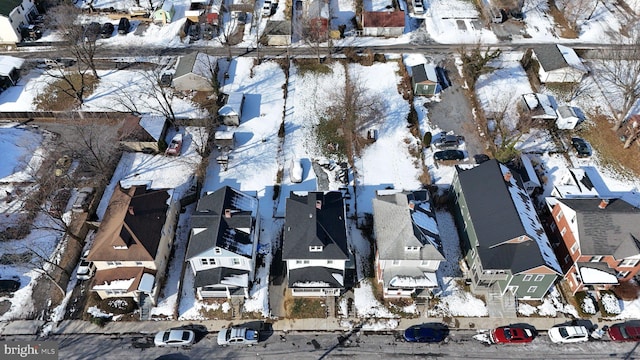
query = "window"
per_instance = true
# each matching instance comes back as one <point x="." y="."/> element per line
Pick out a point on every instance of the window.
<point x="204" y="261"/>
<point x="532" y="289"/>
<point x="539" y="278"/>
<point x="527" y="278"/>
<point x="559" y="216"/>
<point x="298" y="261"/>
<point x="208" y="261"/>
<point x="217" y="251"/>
<point x="138" y="263"/>
<point x="563" y="231"/>
<point x="111" y="263"/>
<point x="412" y="248"/>
<point x="236" y="261"/>
<point x="574" y="248"/>
<point x="118" y="263"/>
<point x="329" y="262"/>
<point x="305" y="261"/>
<point x="315" y="248"/>
<point x="622" y="274"/>
<point x="595" y="258"/>
<point x="629" y="263"/>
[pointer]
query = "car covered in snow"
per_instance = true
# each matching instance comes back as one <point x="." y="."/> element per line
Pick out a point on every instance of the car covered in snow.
<point x="296" y="171"/>
<point x="238" y="336"/>
<point x="174" y="338"/>
<point x="568" y="334"/>
<point x="625" y="332"/>
<point x="175" y="146"/>
<point x="86" y="268"/>
<point x="511" y="335"/>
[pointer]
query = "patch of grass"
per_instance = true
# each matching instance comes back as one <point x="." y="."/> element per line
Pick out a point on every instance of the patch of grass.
<point x="54" y="98"/>
<point x="567" y="30"/>
<point x="304" y="308"/>
<point x="331" y="137"/>
<point x="312" y="66"/>
<point x="603" y="309"/>
<point x="627" y="290"/>
<point x="578" y="299"/>
<point x="611" y="154"/>
<point x="218" y="313"/>
<point x="118" y="305"/>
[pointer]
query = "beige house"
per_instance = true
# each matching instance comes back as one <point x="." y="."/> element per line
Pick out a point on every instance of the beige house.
<point x="136" y="232"/>
<point x="195" y="72"/>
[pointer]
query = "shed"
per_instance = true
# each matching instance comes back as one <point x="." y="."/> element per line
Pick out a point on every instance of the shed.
<point x="382" y="23"/>
<point x="231" y="113"/>
<point x="224" y="139"/>
<point x="278" y="32"/>
<point x="424" y="80"/>
<point x="194" y="72"/>
<point x="9" y="71"/>
<point x="142" y="133"/>
<point x="567" y="118"/>
<point x="539" y="106"/>
<point x="165" y="14"/>
<point x="558" y="64"/>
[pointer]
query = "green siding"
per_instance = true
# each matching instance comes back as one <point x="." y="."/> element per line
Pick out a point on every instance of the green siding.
<point x="541" y="286"/>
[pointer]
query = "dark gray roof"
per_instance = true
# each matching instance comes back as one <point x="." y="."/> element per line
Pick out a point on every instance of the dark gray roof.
<point x="215" y="229"/>
<point x="315" y="277"/>
<point x="614" y="230"/>
<point x="315" y="219"/>
<point x="501" y="212"/>
<point x="7" y="6"/>
<point x="278" y="27"/>
<point x="550" y="57"/>
<point x="185" y="64"/>
<point x="419" y="74"/>
<point x="397" y="225"/>
<point x="212" y="277"/>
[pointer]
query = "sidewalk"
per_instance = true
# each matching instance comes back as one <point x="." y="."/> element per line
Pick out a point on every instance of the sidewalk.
<point x="32" y="327"/>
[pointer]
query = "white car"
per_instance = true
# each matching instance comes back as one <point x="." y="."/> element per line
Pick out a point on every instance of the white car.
<point x="296" y="171"/>
<point x="238" y="336"/>
<point x="174" y="337"/>
<point x="568" y="334"/>
<point x="86" y="269"/>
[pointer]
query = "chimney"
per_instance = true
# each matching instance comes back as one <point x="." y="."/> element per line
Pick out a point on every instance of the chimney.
<point x="412" y="205"/>
<point x="227" y="213"/>
<point x="507" y="176"/>
<point x="603" y="204"/>
<point x="131" y="212"/>
<point x="318" y="204"/>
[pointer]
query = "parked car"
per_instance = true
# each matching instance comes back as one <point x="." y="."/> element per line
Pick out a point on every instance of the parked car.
<point x="124" y="25"/>
<point x="84" y="195"/>
<point x="266" y="8"/>
<point x="107" y="30"/>
<point x="175" y="337"/>
<point x="175" y="146"/>
<point x="582" y="147"/>
<point x="31" y="33"/>
<point x="446" y="142"/>
<point x="86" y="269"/>
<point x="9" y="285"/>
<point x="624" y="332"/>
<point x="238" y="336"/>
<point x="480" y="158"/>
<point x="446" y="155"/>
<point x="296" y="171"/>
<point x="426" y="333"/>
<point x="511" y="335"/>
<point x="58" y="63"/>
<point x="166" y="79"/>
<point x="568" y="334"/>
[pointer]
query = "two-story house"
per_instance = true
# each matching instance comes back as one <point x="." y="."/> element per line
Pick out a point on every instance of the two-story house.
<point x="599" y="241"/>
<point x="132" y="245"/>
<point x="505" y="247"/>
<point x="223" y="243"/>
<point x="408" y="247"/>
<point x="14" y="15"/>
<point x="315" y="244"/>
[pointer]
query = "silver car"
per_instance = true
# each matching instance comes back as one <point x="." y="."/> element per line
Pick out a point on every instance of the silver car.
<point x="238" y="336"/>
<point x="174" y="337"/>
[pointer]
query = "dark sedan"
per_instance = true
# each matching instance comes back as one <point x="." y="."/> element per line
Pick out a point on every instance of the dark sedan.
<point x="426" y="333"/>
<point x="582" y="147"/>
<point x="446" y="155"/>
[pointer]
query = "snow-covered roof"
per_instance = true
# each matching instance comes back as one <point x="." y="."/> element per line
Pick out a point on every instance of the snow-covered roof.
<point x="115" y="285"/>
<point x="146" y="282"/>
<point x="574" y="183"/>
<point x="542" y="102"/>
<point x="571" y="57"/>
<point x="591" y="275"/>
<point x="8" y="63"/>
<point x="531" y="172"/>
<point x="153" y="124"/>
<point x="233" y="105"/>
<point x="426" y="281"/>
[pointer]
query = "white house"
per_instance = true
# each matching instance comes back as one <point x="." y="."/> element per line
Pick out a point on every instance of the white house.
<point x="318" y="260"/>
<point x="223" y="243"/>
<point x="408" y="247"/>
<point x="558" y="63"/>
<point x="15" y="14"/>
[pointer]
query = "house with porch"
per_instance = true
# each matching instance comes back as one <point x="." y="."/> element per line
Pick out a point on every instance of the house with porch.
<point x="315" y="244"/>
<point x="598" y="243"/>
<point x="505" y="248"/>
<point x="407" y="243"/>
<point x="223" y="243"/>
<point x="133" y="242"/>
<point x="424" y="80"/>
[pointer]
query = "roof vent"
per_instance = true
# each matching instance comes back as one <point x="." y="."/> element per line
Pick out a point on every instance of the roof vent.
<point x="227" y="213"/>
<point x="131" y="212"/>
<point x="412" y="205"/>
<point x="603" y="204"/>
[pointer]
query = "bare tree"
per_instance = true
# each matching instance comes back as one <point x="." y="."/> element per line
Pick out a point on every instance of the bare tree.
<point x="476" y="63"/>
<point x="620" y="68"/>
<point x="573" y="10"/>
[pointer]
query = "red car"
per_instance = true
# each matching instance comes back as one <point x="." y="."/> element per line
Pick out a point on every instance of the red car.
<point x="624" y="332"/>
<point x="175" y="146"/>
<point x="511" y="335"/>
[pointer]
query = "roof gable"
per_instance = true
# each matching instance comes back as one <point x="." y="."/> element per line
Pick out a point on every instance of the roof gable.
<point x="315" y="219"/>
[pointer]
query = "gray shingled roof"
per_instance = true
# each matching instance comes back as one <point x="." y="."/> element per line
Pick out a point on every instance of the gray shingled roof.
<point x="550" y="57"/>
<point x="395" y="228"/>
<point x="306" y="225"/>
<point x="219" y="230"/>
<point x="278" y="27"/>
<point x="614" y="230"/>
<point x="499" y="213"/>
<point x="185" y="64"/>
<point x="215" y="276"/>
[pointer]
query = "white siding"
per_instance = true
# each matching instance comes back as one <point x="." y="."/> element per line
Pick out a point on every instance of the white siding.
<point x="293" y="264"/>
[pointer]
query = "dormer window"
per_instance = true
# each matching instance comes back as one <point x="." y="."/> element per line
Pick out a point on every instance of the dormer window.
<point x="315" y="248"/>
<point x="412" y="248"/>
<point x="120" y="247"/>
<point x="217" y="251"/>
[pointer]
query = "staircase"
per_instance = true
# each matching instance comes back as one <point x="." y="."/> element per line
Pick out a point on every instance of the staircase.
<point x="499" y="305"/>
<point x="145" y="307"/>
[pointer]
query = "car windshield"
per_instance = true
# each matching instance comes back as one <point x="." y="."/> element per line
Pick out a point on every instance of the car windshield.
<point x="563" y="332"/>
